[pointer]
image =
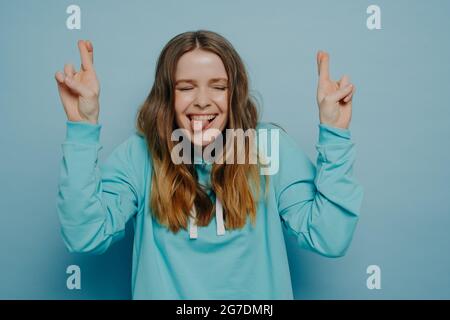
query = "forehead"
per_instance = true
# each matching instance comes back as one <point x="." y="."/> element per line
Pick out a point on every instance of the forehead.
<point x="200" y="65"/>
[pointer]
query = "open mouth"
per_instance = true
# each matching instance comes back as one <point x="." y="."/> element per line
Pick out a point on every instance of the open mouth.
<point x="201" y="121"/>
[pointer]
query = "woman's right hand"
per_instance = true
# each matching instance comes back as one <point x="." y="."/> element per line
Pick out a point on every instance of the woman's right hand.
<point x="79" y="91"/>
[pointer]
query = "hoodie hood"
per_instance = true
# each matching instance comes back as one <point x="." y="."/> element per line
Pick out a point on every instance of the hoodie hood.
<point x="203" y="169"/>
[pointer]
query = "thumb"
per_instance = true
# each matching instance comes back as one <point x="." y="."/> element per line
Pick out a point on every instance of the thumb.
<point x="76" y="86"/>
<point x="345" y="80"/>
<point x="341" y="93"/>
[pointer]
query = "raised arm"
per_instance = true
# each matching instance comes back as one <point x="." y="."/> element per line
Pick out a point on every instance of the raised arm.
<point x="94" y="200"/>
<point x="321" y="205"/>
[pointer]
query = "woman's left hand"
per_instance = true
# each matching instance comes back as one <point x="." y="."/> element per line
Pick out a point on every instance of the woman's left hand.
<point x="334" y="98"/>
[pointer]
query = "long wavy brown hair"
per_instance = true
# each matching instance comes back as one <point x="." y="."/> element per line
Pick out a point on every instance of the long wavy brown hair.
<point x="175" y="188"/>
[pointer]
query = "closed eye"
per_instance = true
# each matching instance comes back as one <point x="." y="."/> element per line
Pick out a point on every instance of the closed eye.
<point x="218" y="88"/>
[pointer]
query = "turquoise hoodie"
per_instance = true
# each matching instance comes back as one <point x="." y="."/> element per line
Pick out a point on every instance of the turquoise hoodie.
<point x="319" y="205"/>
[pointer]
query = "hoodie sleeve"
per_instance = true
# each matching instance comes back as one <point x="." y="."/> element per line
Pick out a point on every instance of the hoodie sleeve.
<point x="94" y="201"/>
<point x="319" y="205"/>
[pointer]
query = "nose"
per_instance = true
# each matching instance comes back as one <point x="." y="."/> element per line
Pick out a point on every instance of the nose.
<point x="202" y="99"/>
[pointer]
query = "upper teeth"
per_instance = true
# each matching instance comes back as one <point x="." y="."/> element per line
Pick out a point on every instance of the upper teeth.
<point x="203" y="117"/>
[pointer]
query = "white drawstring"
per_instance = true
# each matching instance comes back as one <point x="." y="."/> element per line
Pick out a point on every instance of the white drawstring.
<point x="193" y="234"/>
<point x="192" y="224"/>
<point x="219" y="218"/>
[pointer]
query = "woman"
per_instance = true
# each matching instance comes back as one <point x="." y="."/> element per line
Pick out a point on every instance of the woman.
<point x="205" y="229"/>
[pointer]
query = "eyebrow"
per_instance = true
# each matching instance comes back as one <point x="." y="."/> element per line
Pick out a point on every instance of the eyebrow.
<point x="193" y="81"/>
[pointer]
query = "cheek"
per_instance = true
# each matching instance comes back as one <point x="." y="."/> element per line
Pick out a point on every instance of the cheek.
<point x="181" y="101"/>
<point x="222" y="102"/>
<point x="181" y="105"/>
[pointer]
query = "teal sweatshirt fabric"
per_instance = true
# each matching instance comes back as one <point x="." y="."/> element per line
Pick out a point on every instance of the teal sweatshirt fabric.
<point x="319" y="205"/>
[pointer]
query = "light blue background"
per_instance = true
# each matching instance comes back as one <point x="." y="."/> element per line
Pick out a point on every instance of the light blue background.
<point x="400" y="124"/>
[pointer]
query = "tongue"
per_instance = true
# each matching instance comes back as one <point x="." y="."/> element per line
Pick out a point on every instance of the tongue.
<point x="198" y="125"/>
